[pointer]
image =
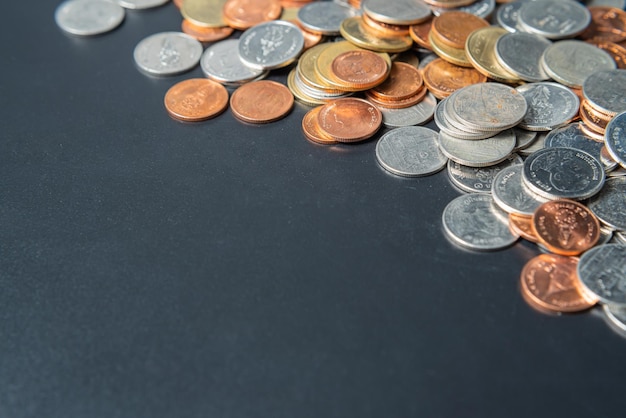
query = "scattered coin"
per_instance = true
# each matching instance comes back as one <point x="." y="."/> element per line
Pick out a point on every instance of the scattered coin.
<point x="324" y="17"/>
<point x="311" y="128"/>
<point x="480" y="49"/>
<point x="570" y="62"/>
<point x="261" y="101"/>
<point x="205" y="34"/>
<point x="554" y="19"/>
<point x="572" y="136"/>
<point x="413" y="115"/>
<point x="520" y="54"/>
<point x="270" y="45"/>
<point x="207" y="13"/>
<point x="88" y="17"/>
<point x="510" y="194"/>
<point x="358" y="70"/>
<point x="478" y="179"/>
<point x="221" y="64"/>
<point x="478" y="153"/>
<point x="615" y="138"/>
<point x="604" y="91"/>
<point x="602" y="271"/>
<point x="244" y="14"/>
<point x="550" y="105"/>
<point x="349" y="119"/>
<point x="167" y="53"/>
<point x="196" y="99"/>
<point x="522" y="225"/>
<point x="398" y="12"/>
<point x="609" y="205"/>
<point x="443" y="78"/>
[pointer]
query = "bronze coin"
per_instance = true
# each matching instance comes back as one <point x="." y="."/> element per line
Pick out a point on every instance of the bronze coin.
<point x="443" y="78"/>
<point x="522" y="225"/>
<point x="312" y="130"/>
<point x="591" y="132"/>
<point x="608" y="24"/>
<point x="243" y="14"/>
<point x="419" y="33"/>
<point x="261" y="101"/>
<point x="205" y="34"/>
<point x="592" y="118"/>
<point x="349" y="119"/>
<point x="453" y="28"/>
<point x="196" y="99"/>
<point x="359" y="69"/>
<point x="550" y="281"/>
<point x="398" y="104"/>
<point x="385" y="29"/>
<point x="404" y="81"/>
<point x="565" y="227"/>
<point x="616" y="51"/>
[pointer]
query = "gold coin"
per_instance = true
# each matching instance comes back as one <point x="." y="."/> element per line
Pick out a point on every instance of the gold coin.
<point x="480" y="49"/>
<point x="298" y="93"/>
<point x="452" y="55"/>
<point x="354" y="31"/>
<point x="206" y="13"/>
<point x="306" y="68"/>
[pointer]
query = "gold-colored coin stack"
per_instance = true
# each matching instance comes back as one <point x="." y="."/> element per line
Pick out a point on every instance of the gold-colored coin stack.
<point x="450" y="31"/>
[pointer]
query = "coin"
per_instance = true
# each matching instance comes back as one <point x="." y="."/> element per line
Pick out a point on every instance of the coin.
<point x="141" y="4"/>
<point x="472" y="221"/>
<point x="350" y="119"/>
<point x="220" y="64"/>
<point x="615" y="138"/>
<point x="244" y="14"/>
<point x="324" y="17"/>
<point x="398" y="12"/>
<point x="205" y="34"/>
<point x="410" y="151"/>
<point x="616" y="315"/>
<point x="311" y="128"/>
<point x="480" y="50"/>
<point x="453" y="28"/>
<point x="604" y="91"/>
<point x="522" y="225"/>
<point x="444" y="125"/>
<point x="443" y="78"/>
<point x="570" y="62"/>
<point x="551" y="282"/>
<point x="404" y="81"/>
<point x="550" y="105"/>
<point x="571" y="136"/>
<point x="261" y="101"/>
<point x="520" y="54"/>
<point x="602" y="271"/>
<point x="270" y="45"/>
<point x="419" y="33"/>
<point x="616" y="51"/>
<point x="480" y="8"/>
<point x="523" y="138"/>
<point x="456" y="56"/>
<point x="167" y="53"/>
<point x="196" y="99"/>
<point x="479" y="153"/>
<point x="88" y="17"/>
<point x="384" y="29"/>
<point x="478" y="179"/>
<point x="413" y="115"/>
<point x="207" y="13"/>
<point x="510" y="194"/>
<point x="358" y="70"/>
<point x="608" y="24"/>
<point x="554" y="19"/>
<point x="507" y="16"/>
<point x="609" y="205"/>
<point x="353" y="30"/>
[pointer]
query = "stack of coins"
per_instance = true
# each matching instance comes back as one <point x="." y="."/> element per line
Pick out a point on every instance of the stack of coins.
<point x="602" y="100"/>
<point x="448" y="35"/>
<point x="403" y="88"/>
<point x="607" y="30"/>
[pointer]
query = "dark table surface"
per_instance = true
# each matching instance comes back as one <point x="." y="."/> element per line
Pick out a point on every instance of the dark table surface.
<point x="151" y="268"/>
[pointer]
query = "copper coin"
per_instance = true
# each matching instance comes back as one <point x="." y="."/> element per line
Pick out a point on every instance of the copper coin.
<point x="443" y="78"/>
<point x="419" y="33"/>
<point x="359" y="69"/>
<point x="550" y="281"/>
<point x="591" y="118"/>
<point x="522" y="225"/>
<point x="591" y="132"/>
<point x="196" y="99"/>
<point x="205" y="34"/>
<point x="310" y="39"/>
<point x="453" y="28"/>
<point x="312" y="130"/>
<point x="349" y="119"/>
<point x="404" y="81"/>
<point x="261" y="101"/>
<point x="608" y="24"/>
<point x="616" y="51"/>
<point x="243" y="14"/>
<point x="398" y="104"/>
<point x="385" y="29"/>
<point x="565" y="227"/>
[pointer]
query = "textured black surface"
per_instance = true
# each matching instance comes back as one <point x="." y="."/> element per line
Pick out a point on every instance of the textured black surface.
<point x="150" y="268"/>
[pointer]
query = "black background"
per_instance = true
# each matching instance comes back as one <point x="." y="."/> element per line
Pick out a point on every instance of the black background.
<point x="150" y="268"/>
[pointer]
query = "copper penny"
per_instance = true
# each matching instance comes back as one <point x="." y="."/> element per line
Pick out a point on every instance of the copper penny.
<point x="550" y="281"/>
<point x="359" y="69"/>
<point x="443" y="78"/>
<point x="522" y="225"/>
<point x="419" y="33"/>
<point x="616" y="51"/>
<point x="243" y="14"/>
<point x="398" y="104"/>
<point x="349" y="119"/>
<point x="404" y="81"/>
<point x="385" y="29"/>
<point x="312" y="130"/>
<point x="261" y="101"/>
<point x="453" y="28"/>
<point x="205" y="34"/>
<point x="591" y="118"/>
<point x="608" y="24"/>
<point x="196" y="99"/>
<point x="565" y="227"/>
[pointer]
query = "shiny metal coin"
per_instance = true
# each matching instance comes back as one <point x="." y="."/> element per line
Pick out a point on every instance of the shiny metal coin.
<point x="478" y="179"/>
<point x="480" y="8"/>
<point x="507" y="15"/>
<point x="620" y="4"/>
<point x="324" y="17"/>
<point x="523" y="138"/>
<point x="536" y="145"/>
<point x="616" y="315"/>
<point x="220" y="63"/>
<point x="88" y="17"/>
<point x="481" y="153"/>
<point x="410" y="151"/>
<point x="615" y="138"/>
<point x="550" y="105"/>
<point x="413" y="115"/>
<point x="571" y="62"/>
<point x="271" y="45"/>
<point x="510" y="194"/>
<point x="571" y="136"/>
<point x="141" y="4"/>
<point x="520" y="53"/>
<point x="620" y="237"/>
<point x="397" y="12"/>
<point x="472" y="221"/>
<point x="602" y="272"/>
<point x="445" y="126"/>
<point x="167" y="53"/>
<point x="609" y="205"/>
<point x="605" y="91"/>
<point x="554" y="19"/>
<point x="563" y="173"/>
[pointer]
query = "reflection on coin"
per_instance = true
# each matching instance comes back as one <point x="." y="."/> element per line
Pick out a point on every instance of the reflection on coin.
<point x="443" y="78"/>
<point x="88" y="17"/>
<point x="167" y="53"/>
<point x="610" y="204"/>
<point x="479" y="153"/>
<point x="522" y="225"/>
<point x="602" y="271"/>
<point x="616" y="315"/>
<point x="520" y="54"/>
<point x="196" y="99"/>
<point x="244" y="14"/>
<point x="510" y="194"/>
<point x="411" y="151"/>
<point x="261" y="102"/>
<point x="311" y="128"/>
<point x="413" y="115"/>
<point x="615" y="138"/>
<point x="270" y="45"/>
<point x="549" y="105"/>
<point x="141" y="4"/>
<point x="471" y="221"/>
<point x="554" y="19"/>
<point x="324" y="17"/>
<point x="478" y="179"/>
<point x="571" y="62"/>
<point x="604" y="91"/>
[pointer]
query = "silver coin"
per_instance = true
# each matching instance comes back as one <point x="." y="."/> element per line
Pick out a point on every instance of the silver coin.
<point x="141" y="4"/>
<point x="507" y="15"/>
<point x="472" y="221"/>
<point x="619" y="4"/>
<point x="468" y="132"/>
<point x="618" y="172"/>
<point x="478" y="179"/>
<point x="481" y="153"/>
<point x="397" y="12"/>
<point x="616" y="316"/>
<point x="220" y="63"/>
<point x="488" y="106"/>
<point x="445" y="126"/>
<point x="271" y="45"/>
<point x="615" y="138"/>
<point x="571" y="136"/>
<point x="605" y="91"/>
<point x="520" y="53"/>
<point x="410" y="151"/>
<point x="88" y="17"/>
<point x="523" y="138"/>
<point x="538" y="144"/>
<point x="602" y="271"/>
<point x="609" y="205"/>
<point x="563" y="173"/>
<point x="324" y="17"/>
<point x="554" y="19"/>
<point x="571" y="62"/>
<point x="549" y="105"/>
<point x="167" y="53"/>
<point x="620" y="237"/>
<point x="510" y="194"/>
<point x="413" y="115"/>
<point x="480" y="8"/>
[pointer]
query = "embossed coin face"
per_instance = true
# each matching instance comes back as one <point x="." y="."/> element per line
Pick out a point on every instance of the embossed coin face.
<point x="453" y="28"/>
<point x="610" y="204"/>
<point x="196" y="99"/>
<point x="472" y="221"/>
<point x="615" y="138"/>
<point x="566" y="227"/>
<point x="411" y="151"/>
<point x="88" y="17"/>
<point x="549" y="105"/>
<point x="570" y="62"/>
<point x="324" y="17"/>
<point x="602" y="271"/>
<point x="563" y="173"/>
<point x="221" y="64"/>
<point x="520" y="54"/>
<point x="551" y="282"/>
<point x="271" y="45"/>
<point x="554" y="19"/>
<point x="404" y="81"/>
<point x="605" y="91"/>
<point x="511" y="195"/>
<point x="350" y="119"/>
<point x="412" y="115"/>
<point x="481" y="51"/>
<point x="167" y="53"/>
<point x="359" y="69"/>
<point x="398" y="12"/>
<point x="478" y="179"/>
<point x="261" y="102"/>
<point x="571" y="136"/>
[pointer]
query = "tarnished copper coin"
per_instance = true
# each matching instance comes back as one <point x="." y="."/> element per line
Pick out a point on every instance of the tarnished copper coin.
<point x="608" y="24"/>
<point x="522" y="225"/>
<point x="206" y="34"/>
<point x="565" y="227"/>
<point x="311" y="128"/>
<point x="359" y="69"/>
<point x="261" y="101"/>
<point x="196" y="99"/>
<point x="349" y="119"/>
<point x="419" y="33"/>
<point x="616" y="51"/>
<point x="243" y="14"/>
<point x="443" y="78"/>
<point x="550" y="281"/>
<point x="404" y="81"/>
<point x="453" y="28"/>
